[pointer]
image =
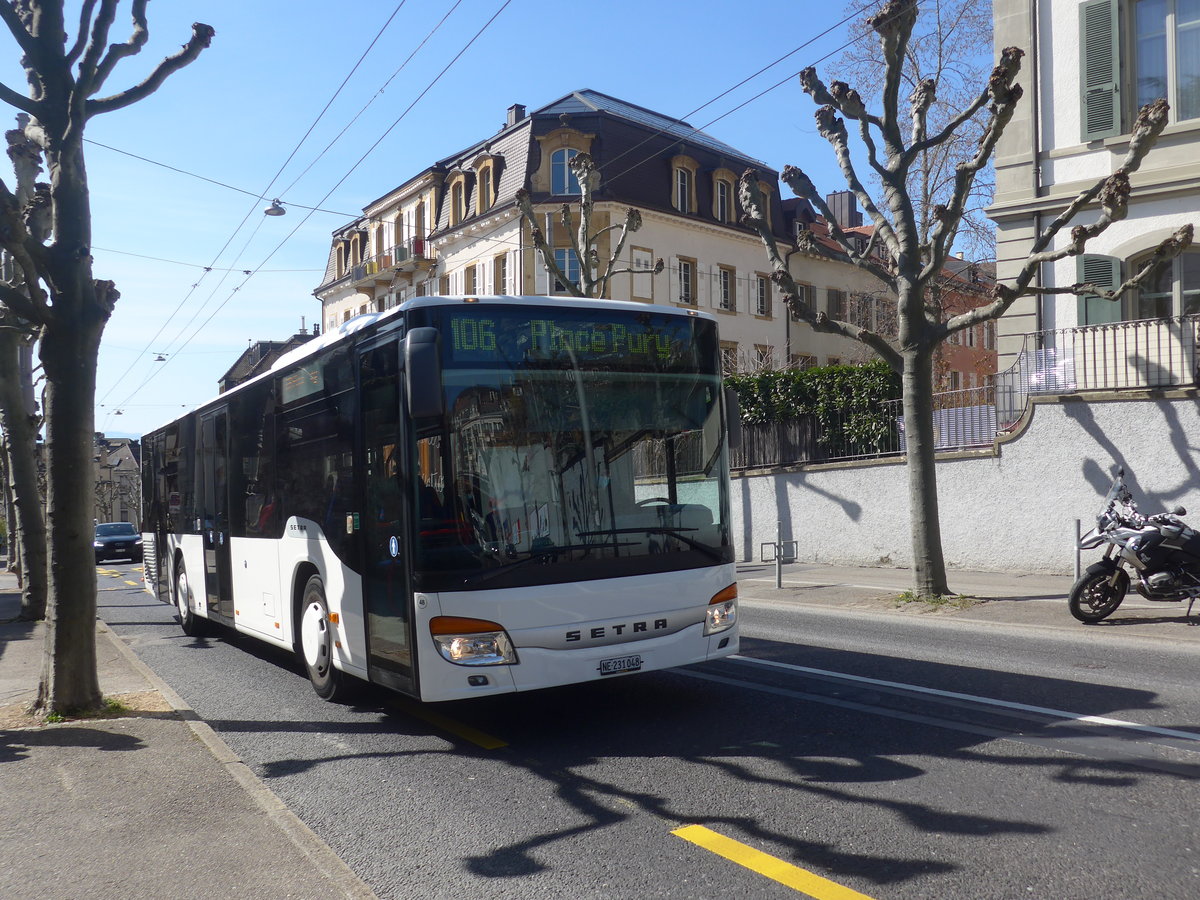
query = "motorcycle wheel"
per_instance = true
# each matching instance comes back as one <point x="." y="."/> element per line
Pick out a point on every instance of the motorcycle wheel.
<point x="1094" y="597"/>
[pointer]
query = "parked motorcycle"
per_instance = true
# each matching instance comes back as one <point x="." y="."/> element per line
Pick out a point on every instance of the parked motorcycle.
<point x="1160" y="551"/>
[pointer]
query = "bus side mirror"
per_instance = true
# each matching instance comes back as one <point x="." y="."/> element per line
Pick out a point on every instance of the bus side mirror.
<point x="733" y="418"/>
<point x="423" y="374"/>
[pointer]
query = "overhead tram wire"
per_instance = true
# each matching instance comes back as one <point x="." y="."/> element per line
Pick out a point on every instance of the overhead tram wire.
<point x="758" y="96"/>
<point x="374" y="97"/>
<point x="339" y="183"/>
<point x="250" y="211"/>
<point x="741" y="83"/>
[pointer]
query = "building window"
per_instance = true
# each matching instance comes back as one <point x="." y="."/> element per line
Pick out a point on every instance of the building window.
<point x="860" y="311"/>
<point x="1174" y="291"/>
<point x="563" y="180"/>
<point x="803" y="361"/>
<point x="837" y="304"/>
<point x="568" y="264"/>
<point x="762" y="295"/>
<point x="470" y="280"/>
<point x="729" y="355"/>
<point x="458" y="201"/>
<point x="724" y="201"/>
<point x="500" y="274"/>
<point x="1167" y="54"/>
<point x="486" y="199"/>
<point x="1161" y="38"/>
<point x="726" y="288"/>
<point x="683" y="190"/>
<point x="643" y="285"/>
<point x="687" y="280"/>
<point x="806" y="295"/>
<point x="764" y="358"/>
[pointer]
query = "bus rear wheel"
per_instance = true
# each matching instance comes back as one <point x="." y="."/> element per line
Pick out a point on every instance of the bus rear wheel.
<point x="316" y="645"/>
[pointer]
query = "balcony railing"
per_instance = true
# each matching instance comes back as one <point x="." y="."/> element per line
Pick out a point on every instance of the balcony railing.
<point x="1151" y="353"/>
<point x="401" y="257"/>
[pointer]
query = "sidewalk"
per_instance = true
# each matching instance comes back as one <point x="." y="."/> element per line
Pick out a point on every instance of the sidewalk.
<point x="150" y="805"/>
<point x="1018" y="600"/>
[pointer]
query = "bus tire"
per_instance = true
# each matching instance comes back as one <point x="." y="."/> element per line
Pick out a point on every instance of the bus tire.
<point x="192" y="624"/>
<point x="316" y="645"/>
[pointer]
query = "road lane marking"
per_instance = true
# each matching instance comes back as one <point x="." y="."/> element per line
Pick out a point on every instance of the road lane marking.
<point x="445" y="723"/>
<point x="770" y="866"/>
<point x="972" y="698"/>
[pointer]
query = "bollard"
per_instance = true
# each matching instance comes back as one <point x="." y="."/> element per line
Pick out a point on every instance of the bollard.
<point x="779" y="554"/>
<point x="1078" y="535"/>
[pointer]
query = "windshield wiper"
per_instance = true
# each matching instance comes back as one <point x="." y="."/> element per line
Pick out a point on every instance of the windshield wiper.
<point x="676" y="533"/>
<point x="543" y="555"/>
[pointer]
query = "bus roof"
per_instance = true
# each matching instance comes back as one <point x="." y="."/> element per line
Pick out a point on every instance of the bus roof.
<point x="367" y="320"/>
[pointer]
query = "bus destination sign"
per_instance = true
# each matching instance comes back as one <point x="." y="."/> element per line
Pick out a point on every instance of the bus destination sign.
<point x="639" y="342"/>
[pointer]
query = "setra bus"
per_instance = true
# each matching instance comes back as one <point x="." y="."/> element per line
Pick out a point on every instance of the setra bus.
<point x="461" y="496"/>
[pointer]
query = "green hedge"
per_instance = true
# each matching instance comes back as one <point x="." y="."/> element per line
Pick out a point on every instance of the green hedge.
<point x="847" y="401"/>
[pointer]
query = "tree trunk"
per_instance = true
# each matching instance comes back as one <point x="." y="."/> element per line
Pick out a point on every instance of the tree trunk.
<point x="69" y="679"/>
<point x="929" y="567"/>
<point x="28" y="535"/>
<point x="69" y="349"/>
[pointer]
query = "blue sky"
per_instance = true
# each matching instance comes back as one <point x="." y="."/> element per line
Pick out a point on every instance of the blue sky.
<point x="236" y="115"/>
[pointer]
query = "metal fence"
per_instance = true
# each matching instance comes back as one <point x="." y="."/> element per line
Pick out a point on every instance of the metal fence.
<point x="1122" y="355"/>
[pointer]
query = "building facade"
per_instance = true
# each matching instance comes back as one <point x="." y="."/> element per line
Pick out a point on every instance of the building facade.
<point x="1089" y="66"/>
<point x="455" y="228"/>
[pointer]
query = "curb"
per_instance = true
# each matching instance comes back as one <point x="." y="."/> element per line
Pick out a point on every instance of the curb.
<point x="304" y="838"/>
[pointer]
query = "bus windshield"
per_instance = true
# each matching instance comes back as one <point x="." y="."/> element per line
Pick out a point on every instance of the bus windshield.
<point x="573" y="460"/>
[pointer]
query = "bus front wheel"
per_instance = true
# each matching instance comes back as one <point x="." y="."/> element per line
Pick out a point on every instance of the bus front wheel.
<point x="316" y="645"/>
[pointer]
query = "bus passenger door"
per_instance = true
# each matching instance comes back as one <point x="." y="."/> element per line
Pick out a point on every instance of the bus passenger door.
<point x="386" y="519"/>
<point x="214" y="511"/>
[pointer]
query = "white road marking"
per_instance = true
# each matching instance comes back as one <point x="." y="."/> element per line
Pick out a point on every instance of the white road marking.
<point x="986" y="701"/>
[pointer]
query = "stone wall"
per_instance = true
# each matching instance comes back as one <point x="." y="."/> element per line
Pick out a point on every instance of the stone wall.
<point x="1012" y="507"/>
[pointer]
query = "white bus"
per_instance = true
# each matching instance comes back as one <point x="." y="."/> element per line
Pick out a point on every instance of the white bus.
<point x="461" y="496"/>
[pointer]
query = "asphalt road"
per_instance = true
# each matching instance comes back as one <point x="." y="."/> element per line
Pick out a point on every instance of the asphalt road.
<point x="899" y="756"/>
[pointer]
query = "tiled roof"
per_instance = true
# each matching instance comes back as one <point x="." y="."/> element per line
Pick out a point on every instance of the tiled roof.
<point x="589" y="101"/>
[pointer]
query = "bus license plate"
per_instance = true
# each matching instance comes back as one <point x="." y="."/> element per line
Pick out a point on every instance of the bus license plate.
<point x="620" y="664"/>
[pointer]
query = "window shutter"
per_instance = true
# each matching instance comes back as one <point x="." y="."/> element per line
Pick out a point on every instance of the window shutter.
<point x="1100" y="60"/>
<point x="1104" y="271"/>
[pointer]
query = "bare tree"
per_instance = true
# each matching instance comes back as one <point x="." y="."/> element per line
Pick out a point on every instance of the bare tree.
<point x="944" y="48"/>
<point x="911" y="264"/>
<point x="48" y="237"/>
<point x="594" y="278"/>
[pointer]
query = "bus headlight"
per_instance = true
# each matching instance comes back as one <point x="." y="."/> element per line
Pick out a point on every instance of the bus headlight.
<point x="722" y="611"/>
<point x="472" y="642"/>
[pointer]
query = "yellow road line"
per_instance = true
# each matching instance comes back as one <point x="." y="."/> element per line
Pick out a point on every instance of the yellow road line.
<point x="764" y="864"/>
<point x="445" y="723"/>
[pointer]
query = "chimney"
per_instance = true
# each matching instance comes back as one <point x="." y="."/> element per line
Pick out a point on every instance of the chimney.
<point x="516" y="113"/>
<point x="844" y="207"/>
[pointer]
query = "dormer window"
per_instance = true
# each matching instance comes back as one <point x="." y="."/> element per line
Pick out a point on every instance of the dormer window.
<point x="683" y="190"/>
<point x="724" y="205"/>
<point x="563" y="180"/>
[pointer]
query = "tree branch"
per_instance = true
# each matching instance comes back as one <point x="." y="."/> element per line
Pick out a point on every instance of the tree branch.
<point x="117" y="52"/>
<point x="201" y="38"/>
<point x="85" y="16"/>
<point x="751" y="199"/>
<point x="539" y="243"/>
<point x="86" y="81"/>
<point x="21" y="102"/>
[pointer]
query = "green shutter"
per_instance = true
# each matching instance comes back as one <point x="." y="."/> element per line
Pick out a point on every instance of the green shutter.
<point x="1100" y="63"/>
<point x="1104" y="271"/>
